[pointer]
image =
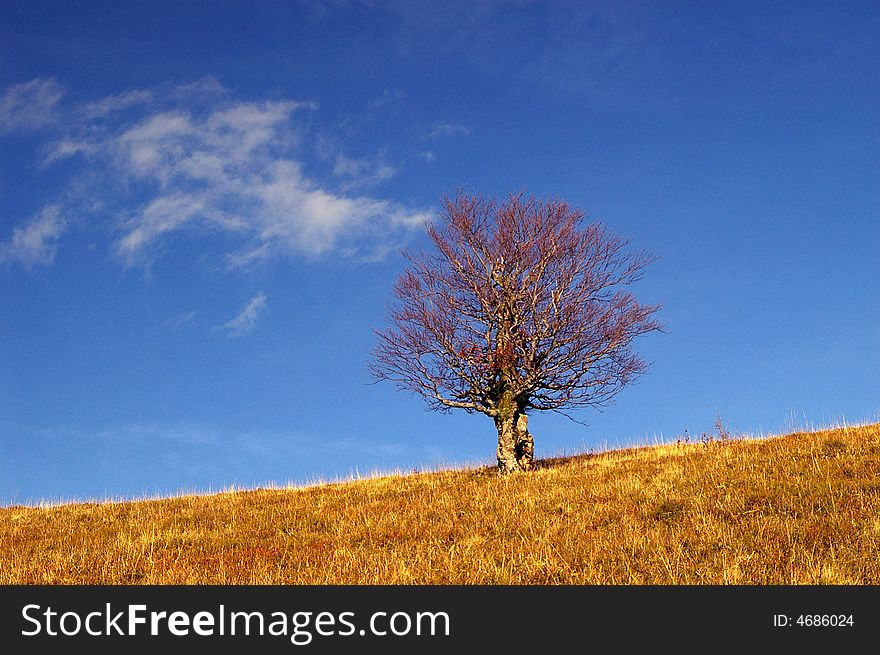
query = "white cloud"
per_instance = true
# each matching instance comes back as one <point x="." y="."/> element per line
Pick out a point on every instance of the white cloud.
<point x="387" y="97"/>
<point x="182" y="320"/>
<point x="29" y="106"/>
<point x="352" y="172"/>
<point x="65" y="147"/>
<point x="427" y="155"/>
<point x="359" y="173"/>
<point x="204" y="86"/>
<point x="230" y="167"/>
<point x="446" y="129"/>
<point x="162" y="215"/>
<point x="117" y="102"/>
<point x="246" y="320"/>
<point x="36" y="241"/>
<point x="185" y="432"/>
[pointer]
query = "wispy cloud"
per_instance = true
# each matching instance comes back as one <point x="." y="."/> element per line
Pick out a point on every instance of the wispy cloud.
<point x="35" y="241"/>
<point x="193" y="161"/>
<point x="353" y="172"/>
<point x="182" y="320"/>
<point x="439" y="130"/>
<point x="30" y="106"/>
<point x="427" y="155"/>
<point x="387" y="98"/>
<point x="207" y="86"/>
<point x="118" y="102"/>
<point x="247" y="318"/>
<point x="184" y="432"/>
<point x="361" y="173"/>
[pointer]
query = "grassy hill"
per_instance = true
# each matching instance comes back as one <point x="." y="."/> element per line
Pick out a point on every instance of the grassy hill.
<point x="802" y="508"/>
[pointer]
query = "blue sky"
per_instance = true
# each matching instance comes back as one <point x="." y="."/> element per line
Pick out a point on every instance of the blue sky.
<point x="202" y="206"/>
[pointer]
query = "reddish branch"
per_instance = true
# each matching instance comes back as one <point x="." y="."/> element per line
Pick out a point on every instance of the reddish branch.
<point x="520" y="307"/>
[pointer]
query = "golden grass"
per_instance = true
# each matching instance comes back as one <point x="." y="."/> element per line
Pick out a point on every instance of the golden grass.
<point x="798" y="509"/>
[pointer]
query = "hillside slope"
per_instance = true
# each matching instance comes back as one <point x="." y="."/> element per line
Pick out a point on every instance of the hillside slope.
<point x="803" y="508"/>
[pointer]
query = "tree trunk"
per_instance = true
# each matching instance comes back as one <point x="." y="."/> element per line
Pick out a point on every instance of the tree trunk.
<point x="524" y="448"/>
<point x="507" y="439"/>
<point x="516" y="447"/>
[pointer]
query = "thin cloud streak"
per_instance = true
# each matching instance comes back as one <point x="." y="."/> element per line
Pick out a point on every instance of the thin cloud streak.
<point x="35" y="242"/>
<point x="247" y="318"/>
<point x="30" y="106"/>
<point x="359" y="173"/>
<point x="114" y="103"/>
<point x="439" y="130"/>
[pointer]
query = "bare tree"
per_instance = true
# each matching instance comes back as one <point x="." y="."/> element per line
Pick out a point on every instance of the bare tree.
<point x="519" y="308"/>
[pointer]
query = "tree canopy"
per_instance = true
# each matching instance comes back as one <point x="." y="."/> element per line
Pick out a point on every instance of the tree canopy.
<point x="520" y="306"/>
